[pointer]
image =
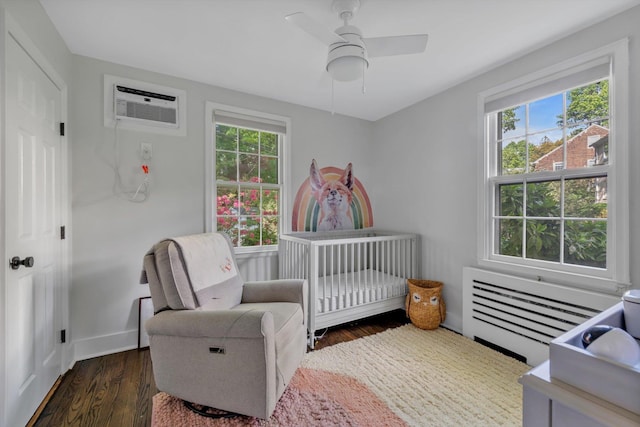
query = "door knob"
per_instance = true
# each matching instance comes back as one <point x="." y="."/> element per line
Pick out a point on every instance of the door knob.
<point x="16" y="262"/>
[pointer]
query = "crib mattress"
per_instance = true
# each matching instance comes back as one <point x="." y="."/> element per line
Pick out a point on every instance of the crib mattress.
<point x="344" y="290"/>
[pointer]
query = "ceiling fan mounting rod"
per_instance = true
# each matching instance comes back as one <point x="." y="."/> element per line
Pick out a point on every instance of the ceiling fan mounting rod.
<point x="345" y="9"/>
<point x="346" y="17"/>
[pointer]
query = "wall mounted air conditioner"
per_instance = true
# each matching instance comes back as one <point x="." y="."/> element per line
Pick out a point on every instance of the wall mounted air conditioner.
<point x="142" y="106"/>
<point x="157" y="109"/>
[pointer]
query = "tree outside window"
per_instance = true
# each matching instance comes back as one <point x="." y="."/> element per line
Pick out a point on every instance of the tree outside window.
<point x="542" y="212"/>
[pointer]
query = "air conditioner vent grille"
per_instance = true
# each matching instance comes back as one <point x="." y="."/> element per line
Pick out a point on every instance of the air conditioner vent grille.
<point x="146" y="112"/>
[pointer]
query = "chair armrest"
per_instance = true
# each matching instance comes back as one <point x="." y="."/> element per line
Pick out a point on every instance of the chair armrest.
<point x="283" y="290"/>
<point x="211" y="324"/>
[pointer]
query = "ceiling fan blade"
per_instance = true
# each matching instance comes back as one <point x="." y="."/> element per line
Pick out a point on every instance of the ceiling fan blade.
<point x="396" y="45"/>
<point x="314" y="28"/>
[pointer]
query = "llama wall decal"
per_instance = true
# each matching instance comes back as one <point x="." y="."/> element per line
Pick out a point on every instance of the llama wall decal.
<point x="331" y="199"/>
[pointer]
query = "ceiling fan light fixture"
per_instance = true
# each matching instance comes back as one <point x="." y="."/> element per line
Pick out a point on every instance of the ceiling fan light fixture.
<point x="347" y="68"/>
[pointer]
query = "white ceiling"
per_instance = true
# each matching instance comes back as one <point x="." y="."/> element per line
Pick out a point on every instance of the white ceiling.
<point x="247" y="45"/>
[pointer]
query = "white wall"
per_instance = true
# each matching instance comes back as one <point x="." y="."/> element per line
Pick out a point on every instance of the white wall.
<point x="110" y="235"/>
<point x="428" y="153"/>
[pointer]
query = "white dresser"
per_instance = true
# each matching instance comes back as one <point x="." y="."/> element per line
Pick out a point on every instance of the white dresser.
<point x="575" y="388"/>
<point x="549" y="402"/>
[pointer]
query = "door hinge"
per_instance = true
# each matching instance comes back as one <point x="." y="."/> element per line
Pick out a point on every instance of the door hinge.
<point x="61" y="128"/>
<point x="63" y="232"/>
<point x="63" y="336"/>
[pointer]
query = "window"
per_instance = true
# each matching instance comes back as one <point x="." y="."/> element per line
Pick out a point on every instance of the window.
<point x="554" y="198"/>
<point x="247" y="195"/>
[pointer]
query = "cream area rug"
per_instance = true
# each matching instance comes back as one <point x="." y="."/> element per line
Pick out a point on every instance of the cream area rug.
<point x="431" y="378"/>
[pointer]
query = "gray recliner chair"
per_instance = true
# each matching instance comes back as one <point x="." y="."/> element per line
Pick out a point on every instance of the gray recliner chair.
<point x="215" y="340"/>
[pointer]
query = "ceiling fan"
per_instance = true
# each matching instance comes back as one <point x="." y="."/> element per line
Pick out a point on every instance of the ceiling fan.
<point x="349" y="52"/>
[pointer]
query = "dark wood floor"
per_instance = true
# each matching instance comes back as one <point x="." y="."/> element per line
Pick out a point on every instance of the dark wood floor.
<point x="116" y="390"/>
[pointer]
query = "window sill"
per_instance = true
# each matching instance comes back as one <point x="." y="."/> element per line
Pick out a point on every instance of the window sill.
<point x="262" y="251"/>
<point x="565" y="278"/>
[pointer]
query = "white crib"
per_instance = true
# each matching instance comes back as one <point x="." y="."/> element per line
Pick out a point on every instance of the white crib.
<point x="351" y="275"/>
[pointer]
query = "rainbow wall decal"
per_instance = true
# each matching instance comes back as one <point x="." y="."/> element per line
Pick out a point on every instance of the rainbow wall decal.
<point x="306" y="209"/>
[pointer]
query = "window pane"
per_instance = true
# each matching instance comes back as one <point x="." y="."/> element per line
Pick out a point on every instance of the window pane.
<point x="229" y="226"/>
<point x="510" y="240"/>
<point x="270" y="230"/>
<point x="248" y="141"/>
<point x="585" y="243"/>
<point x="270" y="202"/>
<point x="269" y="170"/>
<point x="510" y="198"/>
<point x="543" y="240"/>
<point x="513" y="158"/>
<point x="546" y="150"/>
<point x="226" y="138"/>
<point x="545" y="114"/>
<point x="600" y="151"/>
<point x="586" y="146"/>
<point x="227" y="205"/>
<point x="589" y="104"/>
<point x="250" y="201"/>
<point x="511" y="123"/>
<point x="269" y="144"/>
<point x="226" y="167"/>
<point x="227" y="202"/>
<point x="543" y="199"/>
<point x="249" y="168"/>
<point x="249" y="231"/>
<point x="586" y="197"/>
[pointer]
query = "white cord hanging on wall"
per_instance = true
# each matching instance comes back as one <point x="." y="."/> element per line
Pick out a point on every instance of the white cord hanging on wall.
<point x="134" y="194"/>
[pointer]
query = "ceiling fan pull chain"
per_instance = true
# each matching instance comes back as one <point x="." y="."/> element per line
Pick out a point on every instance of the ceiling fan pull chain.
<point x="364" y="89"/>
<point x="332" y="102"/>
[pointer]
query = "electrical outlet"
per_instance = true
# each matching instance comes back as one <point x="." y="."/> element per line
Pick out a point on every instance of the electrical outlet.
<point x="146" y="150"/>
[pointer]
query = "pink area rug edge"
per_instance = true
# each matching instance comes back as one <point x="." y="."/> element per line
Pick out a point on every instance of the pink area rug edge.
<point x="313" y="397"/>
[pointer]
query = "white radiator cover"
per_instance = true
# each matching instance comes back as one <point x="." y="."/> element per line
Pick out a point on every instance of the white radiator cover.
<point x="523" y="315"/>
<point x="258" y="266"/>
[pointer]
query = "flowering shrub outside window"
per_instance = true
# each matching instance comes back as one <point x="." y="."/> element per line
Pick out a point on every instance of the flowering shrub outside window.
<point x="248" y="185"/>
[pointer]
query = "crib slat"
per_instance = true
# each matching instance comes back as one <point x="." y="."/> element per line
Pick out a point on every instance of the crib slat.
<point x="378" y="253"/>
<point x="345" y="266"/>
<point x="325" y="279"/>
<point x="360" y="272"/>
<point x="339" y="293"/>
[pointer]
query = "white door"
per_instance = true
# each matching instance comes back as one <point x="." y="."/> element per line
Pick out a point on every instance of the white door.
<point x="32" y="189"/>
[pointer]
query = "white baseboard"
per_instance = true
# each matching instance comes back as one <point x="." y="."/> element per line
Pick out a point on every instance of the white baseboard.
<point x="68" y="358"/>
<point x="105" y="344"/>
<point x="451" y="322"/>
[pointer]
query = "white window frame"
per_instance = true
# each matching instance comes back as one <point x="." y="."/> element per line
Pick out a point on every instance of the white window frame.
<point x="616" y="277"/>
<point x="284" y="166"/>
